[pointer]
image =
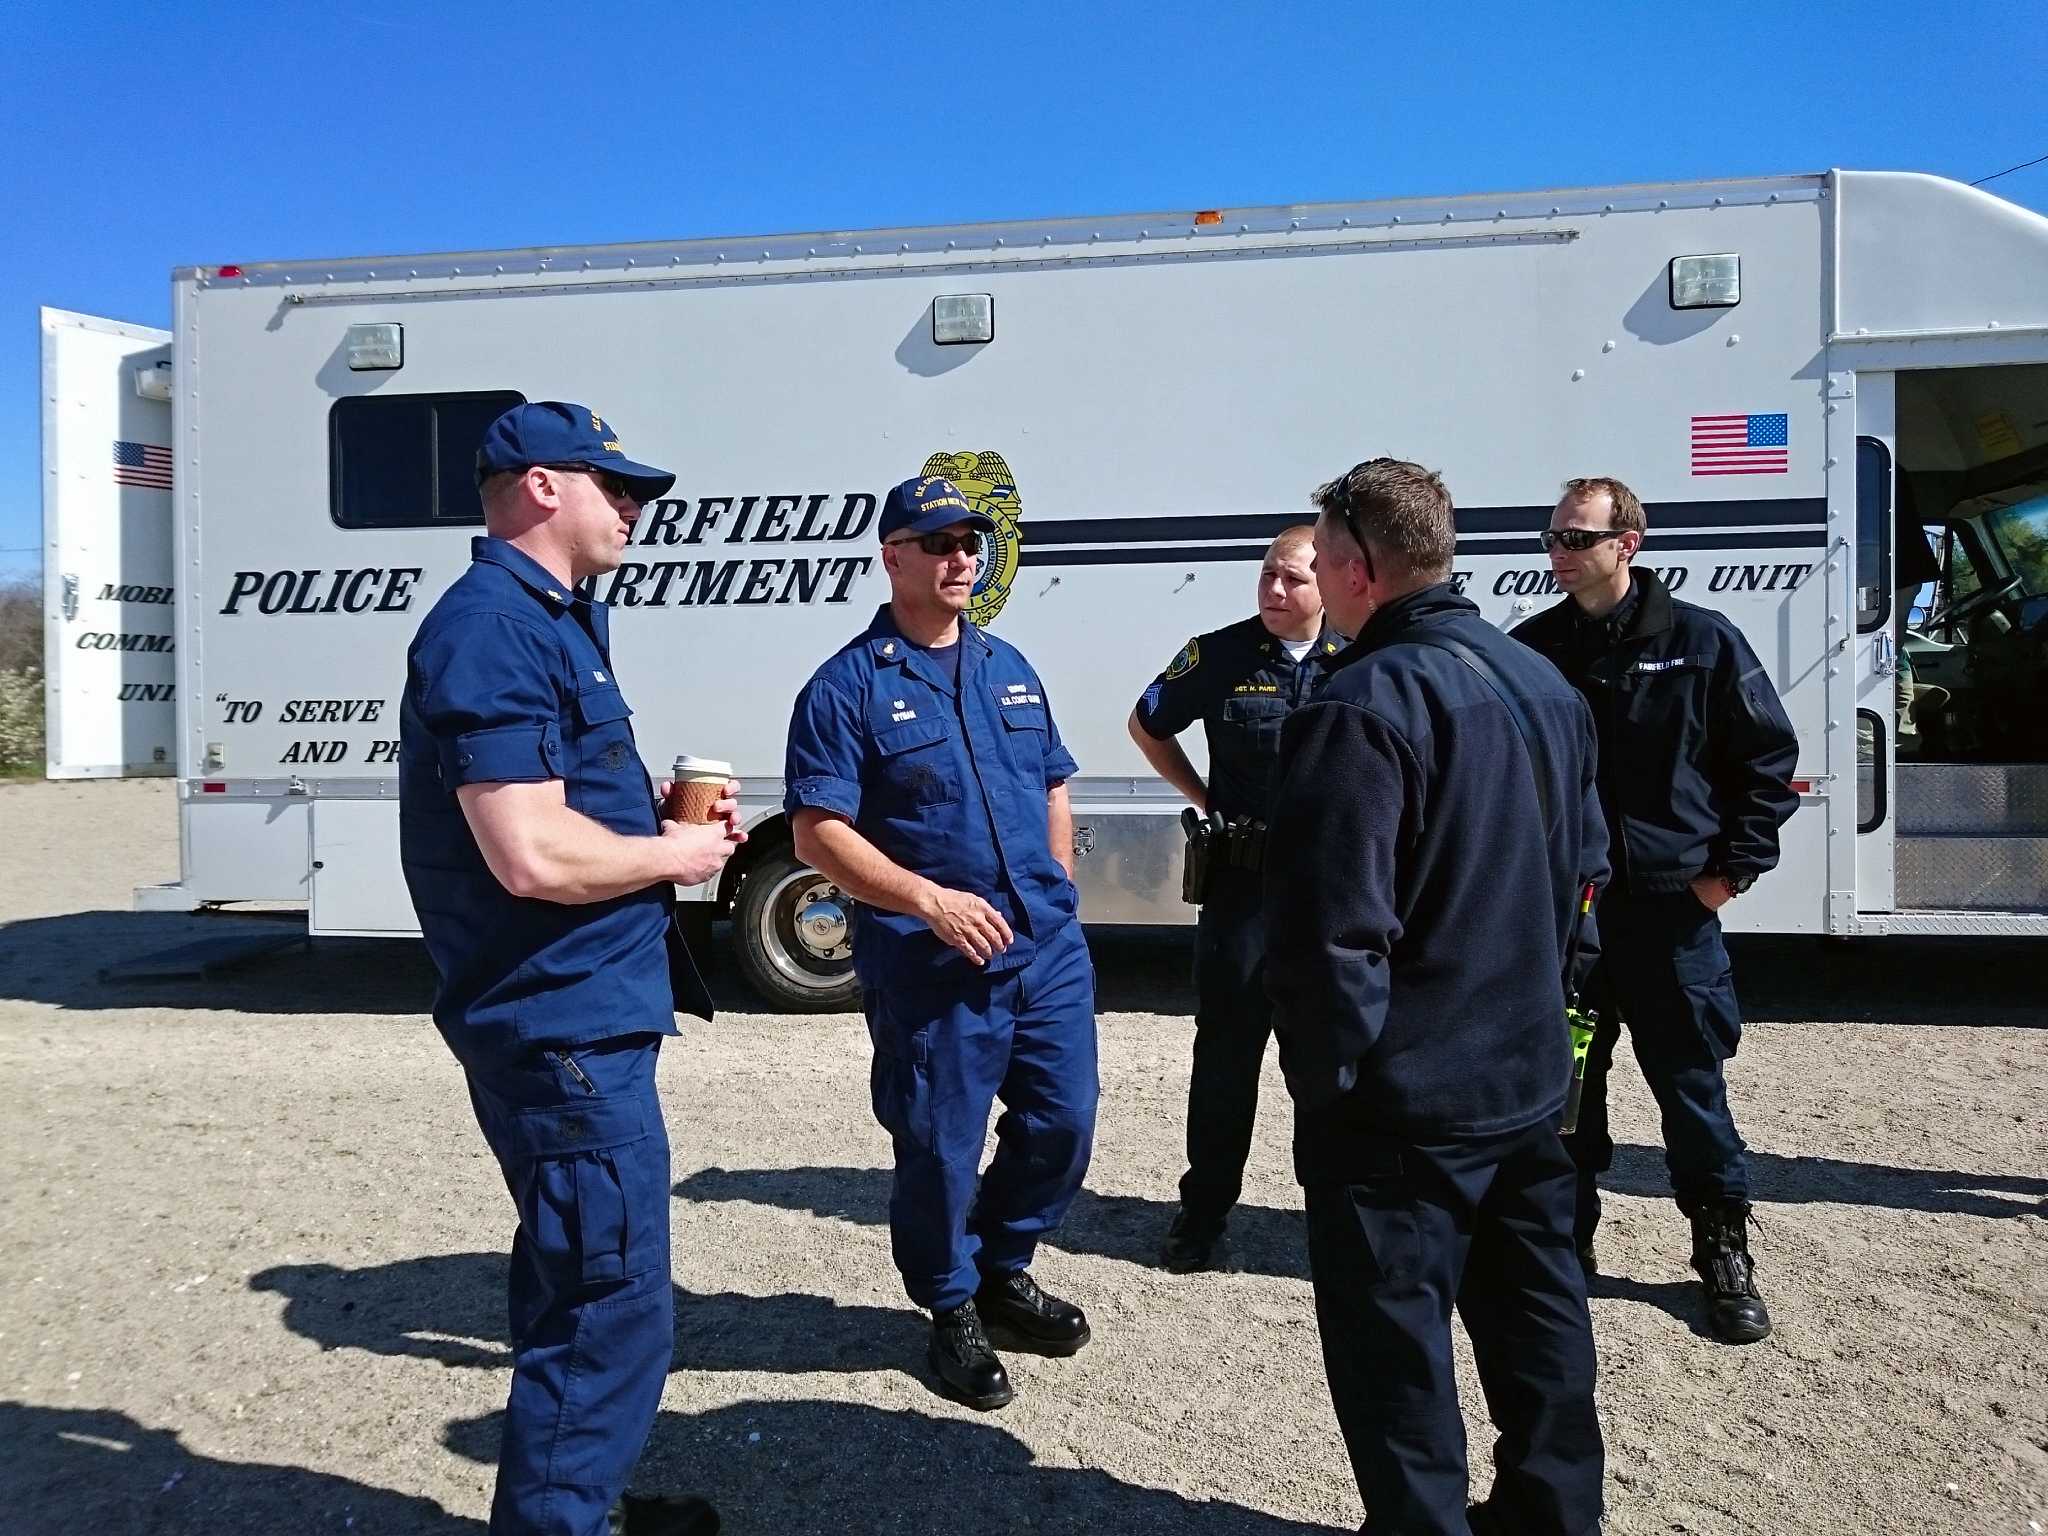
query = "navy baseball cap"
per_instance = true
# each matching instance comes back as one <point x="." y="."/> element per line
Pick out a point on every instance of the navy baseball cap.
<point x="555" y="432"/>
<point x="927" y="504"/>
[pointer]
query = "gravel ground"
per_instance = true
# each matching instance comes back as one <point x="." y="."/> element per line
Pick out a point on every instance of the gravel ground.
<point x="250" y="1250"/>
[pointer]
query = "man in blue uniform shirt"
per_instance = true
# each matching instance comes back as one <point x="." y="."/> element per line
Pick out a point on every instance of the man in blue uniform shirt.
<point x="1241" y="683"/>
<point x="927" y="780"/>
<point x="1434" y="823"/>
<point x="544" y="882"/>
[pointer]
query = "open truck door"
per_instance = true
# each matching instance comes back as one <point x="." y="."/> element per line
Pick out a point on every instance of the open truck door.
<point x="109" y="607"/>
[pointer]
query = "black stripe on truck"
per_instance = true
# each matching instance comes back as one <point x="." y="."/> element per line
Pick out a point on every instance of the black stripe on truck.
<point x="1789" y="523"/>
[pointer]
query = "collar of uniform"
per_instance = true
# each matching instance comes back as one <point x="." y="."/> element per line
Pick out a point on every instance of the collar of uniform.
<point x="888" y="647"/>
<point x="534" y="576"/>
<point x="1326" y="645"/>
<point x="1653" y="605"/>
<point x="1438" y="600"/>
<point x="1644" y="612"/>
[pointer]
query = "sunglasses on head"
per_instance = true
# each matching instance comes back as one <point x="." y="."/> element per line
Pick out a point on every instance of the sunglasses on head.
<point x="1579" y="539"/>
<point x="1339" y="502"/>
<point x="942" y="544"/>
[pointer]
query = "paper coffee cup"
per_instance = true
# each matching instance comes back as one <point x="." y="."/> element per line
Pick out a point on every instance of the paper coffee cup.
<point x="699" y="784"/>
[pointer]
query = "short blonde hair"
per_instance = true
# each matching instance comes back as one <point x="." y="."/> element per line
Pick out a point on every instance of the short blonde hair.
<point x="1296" y="539"/>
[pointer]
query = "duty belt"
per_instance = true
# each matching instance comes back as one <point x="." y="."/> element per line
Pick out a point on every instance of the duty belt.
<point x="1219" y="853"/>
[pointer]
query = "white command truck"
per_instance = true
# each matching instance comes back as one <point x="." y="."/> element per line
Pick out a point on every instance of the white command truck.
<point x="1831" y="390"/>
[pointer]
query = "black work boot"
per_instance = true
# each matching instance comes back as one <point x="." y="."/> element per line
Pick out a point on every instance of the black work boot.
<point x="1028" y="1318"/>
<point x="966" y="1363"/>
<point x="679" y="1515"/>
<point x="1720" y="1252"/>
<point x="1192" y="1244"/>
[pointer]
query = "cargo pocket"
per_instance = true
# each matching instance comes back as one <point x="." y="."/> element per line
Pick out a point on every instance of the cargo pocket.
<point x="588" y="1191"/>
<point x="899" y="1081"/>
<point x="1706" y="983"/>
<point x="1383" y="1204"/>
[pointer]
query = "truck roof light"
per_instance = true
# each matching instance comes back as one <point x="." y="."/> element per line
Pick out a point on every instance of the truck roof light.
<point x="375" y="348"/>
<point x="229" y="271"/>
<point x="962" y="319"/>
<point x="1706" y="282"/>
<point x="1208" y="216"/>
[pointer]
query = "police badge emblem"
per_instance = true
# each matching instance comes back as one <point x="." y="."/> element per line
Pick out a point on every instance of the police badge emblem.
<point x="615" y="756"/>
<point x="985" y="480"/>
<point x="1190" y="657"/>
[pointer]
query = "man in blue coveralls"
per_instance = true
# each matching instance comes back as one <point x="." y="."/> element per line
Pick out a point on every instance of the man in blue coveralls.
<point x="927" y="780"/>
<point x="544" y="881"/>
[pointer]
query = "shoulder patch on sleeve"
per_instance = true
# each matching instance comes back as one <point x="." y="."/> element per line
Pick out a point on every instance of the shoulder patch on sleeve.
<point x="1189" y="658"/>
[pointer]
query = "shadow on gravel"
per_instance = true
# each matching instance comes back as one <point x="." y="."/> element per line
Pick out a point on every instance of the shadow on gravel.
<point x="1776" y="1180"/>
<point x="1893" y="980"/>
<point x="1264" y="1240"/>
<point x="450" y="1308"/>
<point x="58" y="960"/>
<point x="1680" y="1298"/>
<point x="839" y="1467"/>
<point x="86" y="1469"/>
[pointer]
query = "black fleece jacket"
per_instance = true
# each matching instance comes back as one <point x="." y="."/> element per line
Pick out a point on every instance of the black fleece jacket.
<point x="1696" y="754"/>
<point x="1418" y="907"/>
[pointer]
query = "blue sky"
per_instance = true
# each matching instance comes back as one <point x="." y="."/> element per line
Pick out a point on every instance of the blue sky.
<point x="142" y="137"/>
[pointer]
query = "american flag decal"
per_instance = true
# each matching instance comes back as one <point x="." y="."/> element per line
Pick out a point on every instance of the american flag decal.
<point x="142" y="464"/>
<point x="1741" y="445"/>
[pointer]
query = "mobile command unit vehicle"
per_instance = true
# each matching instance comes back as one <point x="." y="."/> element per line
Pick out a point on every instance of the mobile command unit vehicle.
<point x="1832" y="390"/>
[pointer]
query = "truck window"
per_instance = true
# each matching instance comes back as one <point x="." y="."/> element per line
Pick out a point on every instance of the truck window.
<point x="407" y="461"/>
<point x="1873" y="534"/>
<point x="2021" y="534"/>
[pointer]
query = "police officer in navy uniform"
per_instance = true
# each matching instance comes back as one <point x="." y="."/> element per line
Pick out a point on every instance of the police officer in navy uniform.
<point x="544" y="883"/>
<point x="1240" y="683"/>
<point x="1434" y="821"/>
<point x="1696" y="763"/>
<point x="926" y="778"/>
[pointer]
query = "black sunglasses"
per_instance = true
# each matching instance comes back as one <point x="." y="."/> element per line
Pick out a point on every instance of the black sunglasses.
<point x="1576" y="538"/>
<point x="613" y="486"/>
<point x="941" y="544"/>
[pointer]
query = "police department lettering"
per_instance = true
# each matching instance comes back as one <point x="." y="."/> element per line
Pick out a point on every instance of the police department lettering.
<point x="373" y="588"/>
<point x="765" y="582"/>
<point x="662" y="523"/>
<point x="711" y="582"/>
<point x="109" y="593"/>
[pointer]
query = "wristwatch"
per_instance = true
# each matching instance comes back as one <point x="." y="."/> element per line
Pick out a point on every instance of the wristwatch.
<point x="1735" y="885"/>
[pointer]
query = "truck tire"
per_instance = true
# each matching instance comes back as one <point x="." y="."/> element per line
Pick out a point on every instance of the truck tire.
<point x="791" y="933"/>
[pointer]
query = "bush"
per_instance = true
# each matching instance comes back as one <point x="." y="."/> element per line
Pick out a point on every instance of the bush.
<point x="21" y="720"/>
<point x="21" y="674"/>
<point x="21" y="623"/>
